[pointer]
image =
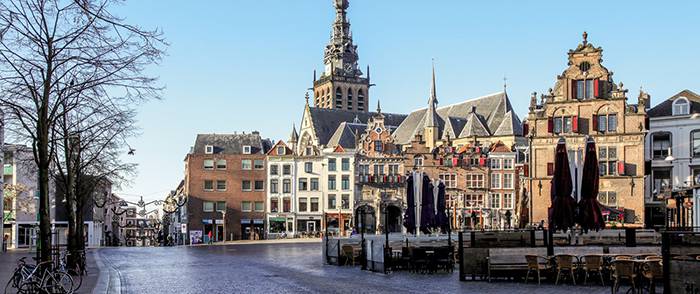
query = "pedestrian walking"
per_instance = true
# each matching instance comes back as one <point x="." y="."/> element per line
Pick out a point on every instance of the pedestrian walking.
<point x="4" y="242"/>
<point x="211" y="241"/>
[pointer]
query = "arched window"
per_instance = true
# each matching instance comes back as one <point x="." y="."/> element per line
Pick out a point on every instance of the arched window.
<point x="349" y="99"/>
<point x="695" y="139"/>
<point x="606" y="120"/>
<point x="338" y="98"/>
<point x="563" y="122"/>
<point x="360" y="100"/>
<point x="681" y="106"/>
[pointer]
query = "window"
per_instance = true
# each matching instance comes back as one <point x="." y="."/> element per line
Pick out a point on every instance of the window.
<point x="608" y="198"/>
<point x="681" y="106"/>
<point x="584" y="89"/>
<point x="246" y="206"/>
<point x="314" y="204"/>
<point x="221" y="185"/>
<point x="562" y="124"/>
<point x="345" y="202"/>
<point x="475" y="181"/>
<point x="208" y="185"/>
<point x="331" y="201"/>
<point x="274" y="205"/>
<point x="450" y="180"/>
<point x="208" y="149"/>
<point x="308" y="167"/>
<point x="303" y="204"/>
<point x="495" y="163"/>
<point x="208" y="164"/>
<point x="286" y="204"/>
<point x="495" y="200"/>
<point x="331" y="164"/>
<point x="286" y="186"/>
<point x="345" y="182"/>
<point x="360" y="100"/>
<point x="221" y="164"/>
<point x="378" y="146"/>
<point x="208" y="206"/>
<point x="695" y="139"/>
<point x="418" y="161"/>
<point x="495" y="181"/>
<point x="221" y="206"/>
<point x="345" y="164"/>
<point x="662" y="181"/>
<point x="393" y="169"/>
<point x="607" y="160"/>
<point x="274" y="186"/>
<point x="661" y="145"/>
<point x="259" y="185"/>
<point x="246" y="185"/>
<point x="363" y="169"/>
<point x="308" y="151"/>
<point x="303" y="184"/>
<point x="246" y="164"/>
<point x="314" y="184"/>
<point x="607" y="123"/>
<point x="349" y="99"/>
<point x="507" y="181"/>
<point x="338" y="98"/>
<point x="507" y="163"/>
<point x="281" y="150"/>
<point x="508" y="200"/>
<point x="246" y="149"/>
<point x="274" y="170"/>
<point x="331" y="182"/>
<point x="259" y="206"/>
<point x="379" y="169"/>
<point x="474" y="200"/>
<point x="259" y="164"/>
<point x="286" y="169"/>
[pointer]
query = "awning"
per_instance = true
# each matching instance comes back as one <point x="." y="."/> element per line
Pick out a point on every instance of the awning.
<point x="277" y="219"/>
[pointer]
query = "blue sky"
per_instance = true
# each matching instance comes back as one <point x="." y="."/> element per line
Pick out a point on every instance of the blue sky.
<point x="245" y="65"/>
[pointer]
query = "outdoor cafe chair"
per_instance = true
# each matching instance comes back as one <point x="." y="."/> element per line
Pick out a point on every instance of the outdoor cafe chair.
<point x="623" y="270"/>
<point x="419" y="259"/>
<point x="565" y="264"/>
<point x="405" y="258"/>
<point x="652" y="271"/>
<point x="534" y="266"/>
<point x="349" y="254"/>
<point x="593" y="264"/>
<point x="443" y="258"/>
<point x="623" y="257"/>
<point x="653" y="257"/>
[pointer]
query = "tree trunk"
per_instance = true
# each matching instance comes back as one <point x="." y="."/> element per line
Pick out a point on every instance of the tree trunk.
<point x="42" y="150"/>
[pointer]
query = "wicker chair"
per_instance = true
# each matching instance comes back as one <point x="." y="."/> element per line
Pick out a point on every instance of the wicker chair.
<point x="593" y="264"/>
<point x="534" y="265"/>
<point x="349" y="254"/>
<point x="623" y="257"/>
<point x="565" y="263"/>
<point x="652" y="271"/>
<point x="623" y="270"/>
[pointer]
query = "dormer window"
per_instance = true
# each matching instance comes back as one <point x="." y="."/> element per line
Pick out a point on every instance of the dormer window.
<point x="281" y="150"/>
<point x="246" y="149"/>
<point x="208" y="149"/>
<point x="308" y="151"/>
<point x="681" y="106"/>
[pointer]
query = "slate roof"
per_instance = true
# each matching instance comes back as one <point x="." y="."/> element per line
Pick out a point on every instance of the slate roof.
<point x="326" y="122"/>
<point x="231" y="143"/>
<point x="665" y="108"/>
<point x="345" y="134"/>
<point x="490" y="113"/>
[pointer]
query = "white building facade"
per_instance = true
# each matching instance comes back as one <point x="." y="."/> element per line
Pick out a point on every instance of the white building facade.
<point x="281" y="192"/>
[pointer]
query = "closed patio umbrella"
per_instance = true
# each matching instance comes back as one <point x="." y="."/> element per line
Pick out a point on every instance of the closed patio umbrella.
<point x="427" y="209"/>
<point x="562" y="211"/>
<point x="590" y="214"/>
<point x="409" y="221"/>
<point x="441" y="220"/>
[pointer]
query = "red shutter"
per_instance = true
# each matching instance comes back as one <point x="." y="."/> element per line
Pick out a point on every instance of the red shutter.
<point x="595" y="123"/>
<point x="440" y="161"/>
<point x="455" y="161"/>
<point x="596" y="88"/>
<point x="573" y="89"/>
<point x="621" y="168"/>
<point x="526" y="129"/>
<point x="526" y="169"/>
<point x="574" y="124"/>
<point x="550" y="168"/>
<point x="482" y="161"/>
<point x="550" y="125"/>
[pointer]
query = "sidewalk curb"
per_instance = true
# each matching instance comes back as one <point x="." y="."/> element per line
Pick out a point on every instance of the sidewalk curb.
<point x="109" y="281"/>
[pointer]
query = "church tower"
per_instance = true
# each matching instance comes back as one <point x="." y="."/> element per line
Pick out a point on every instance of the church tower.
<point x="341" y="85"/>
<point x="431" y="123"/>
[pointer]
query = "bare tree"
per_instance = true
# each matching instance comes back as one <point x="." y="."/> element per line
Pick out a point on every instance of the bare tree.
<point x="54" y="54"/>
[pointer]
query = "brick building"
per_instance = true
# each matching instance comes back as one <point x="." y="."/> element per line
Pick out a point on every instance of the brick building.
<point x="586" y="102"/>
<point x="225" y="180"/>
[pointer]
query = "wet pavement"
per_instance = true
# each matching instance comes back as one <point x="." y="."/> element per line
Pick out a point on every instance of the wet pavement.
<point x="281" y="268"/>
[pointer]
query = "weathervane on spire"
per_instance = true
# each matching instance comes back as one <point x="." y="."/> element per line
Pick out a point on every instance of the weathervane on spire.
<point x="306" y="96"/>
<point x="505" y="83"/>
<point x="585" y="38"/>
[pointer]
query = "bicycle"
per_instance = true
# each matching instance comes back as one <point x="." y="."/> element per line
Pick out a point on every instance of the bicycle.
<point x="30" y="279"/>
<point x="75" y="273"/>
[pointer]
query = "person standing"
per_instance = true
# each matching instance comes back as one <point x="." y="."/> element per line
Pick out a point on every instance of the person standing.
<point x="4" y="242"/>
<point x="211" y="241"/>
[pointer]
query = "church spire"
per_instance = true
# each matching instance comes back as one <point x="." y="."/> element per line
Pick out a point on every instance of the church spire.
<point x="431" y="119"/>
<point x="341" y="54"/>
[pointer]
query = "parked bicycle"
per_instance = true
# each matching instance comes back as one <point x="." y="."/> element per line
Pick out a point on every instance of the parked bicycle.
<point x="39" y="278"/>
<point x="76" y="273"/>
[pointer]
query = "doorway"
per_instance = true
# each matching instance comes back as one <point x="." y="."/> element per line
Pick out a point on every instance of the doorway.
<point x="394" y="217"/>
<point x="311" y="226"/>
<point x="220" y="236"/>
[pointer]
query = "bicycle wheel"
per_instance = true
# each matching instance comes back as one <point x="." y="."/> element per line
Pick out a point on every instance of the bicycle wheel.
<point x="77" y="279"/>
<point x="29" y="287"/>
<point x="59" y="282"/>
<point x="14" y="281"/>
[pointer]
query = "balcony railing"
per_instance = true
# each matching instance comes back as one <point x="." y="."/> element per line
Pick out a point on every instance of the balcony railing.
<point x="381" y="179"/>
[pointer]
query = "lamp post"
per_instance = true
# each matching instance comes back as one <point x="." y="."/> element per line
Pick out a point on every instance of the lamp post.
<point x="362" y="235"/>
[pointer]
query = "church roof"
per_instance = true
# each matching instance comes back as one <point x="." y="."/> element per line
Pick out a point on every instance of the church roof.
<point x="490" y="111"/>
<point x="326" y="122"/>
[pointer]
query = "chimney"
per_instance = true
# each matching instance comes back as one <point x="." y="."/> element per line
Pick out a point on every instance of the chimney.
<point x="256" y="133"/>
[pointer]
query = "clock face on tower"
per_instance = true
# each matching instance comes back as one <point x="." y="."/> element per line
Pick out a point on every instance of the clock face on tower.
<point x="378" y="130"/>
<point x="348" y="67"/>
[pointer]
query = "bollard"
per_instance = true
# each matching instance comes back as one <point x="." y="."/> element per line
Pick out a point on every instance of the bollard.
<point x="630" y="237"/>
